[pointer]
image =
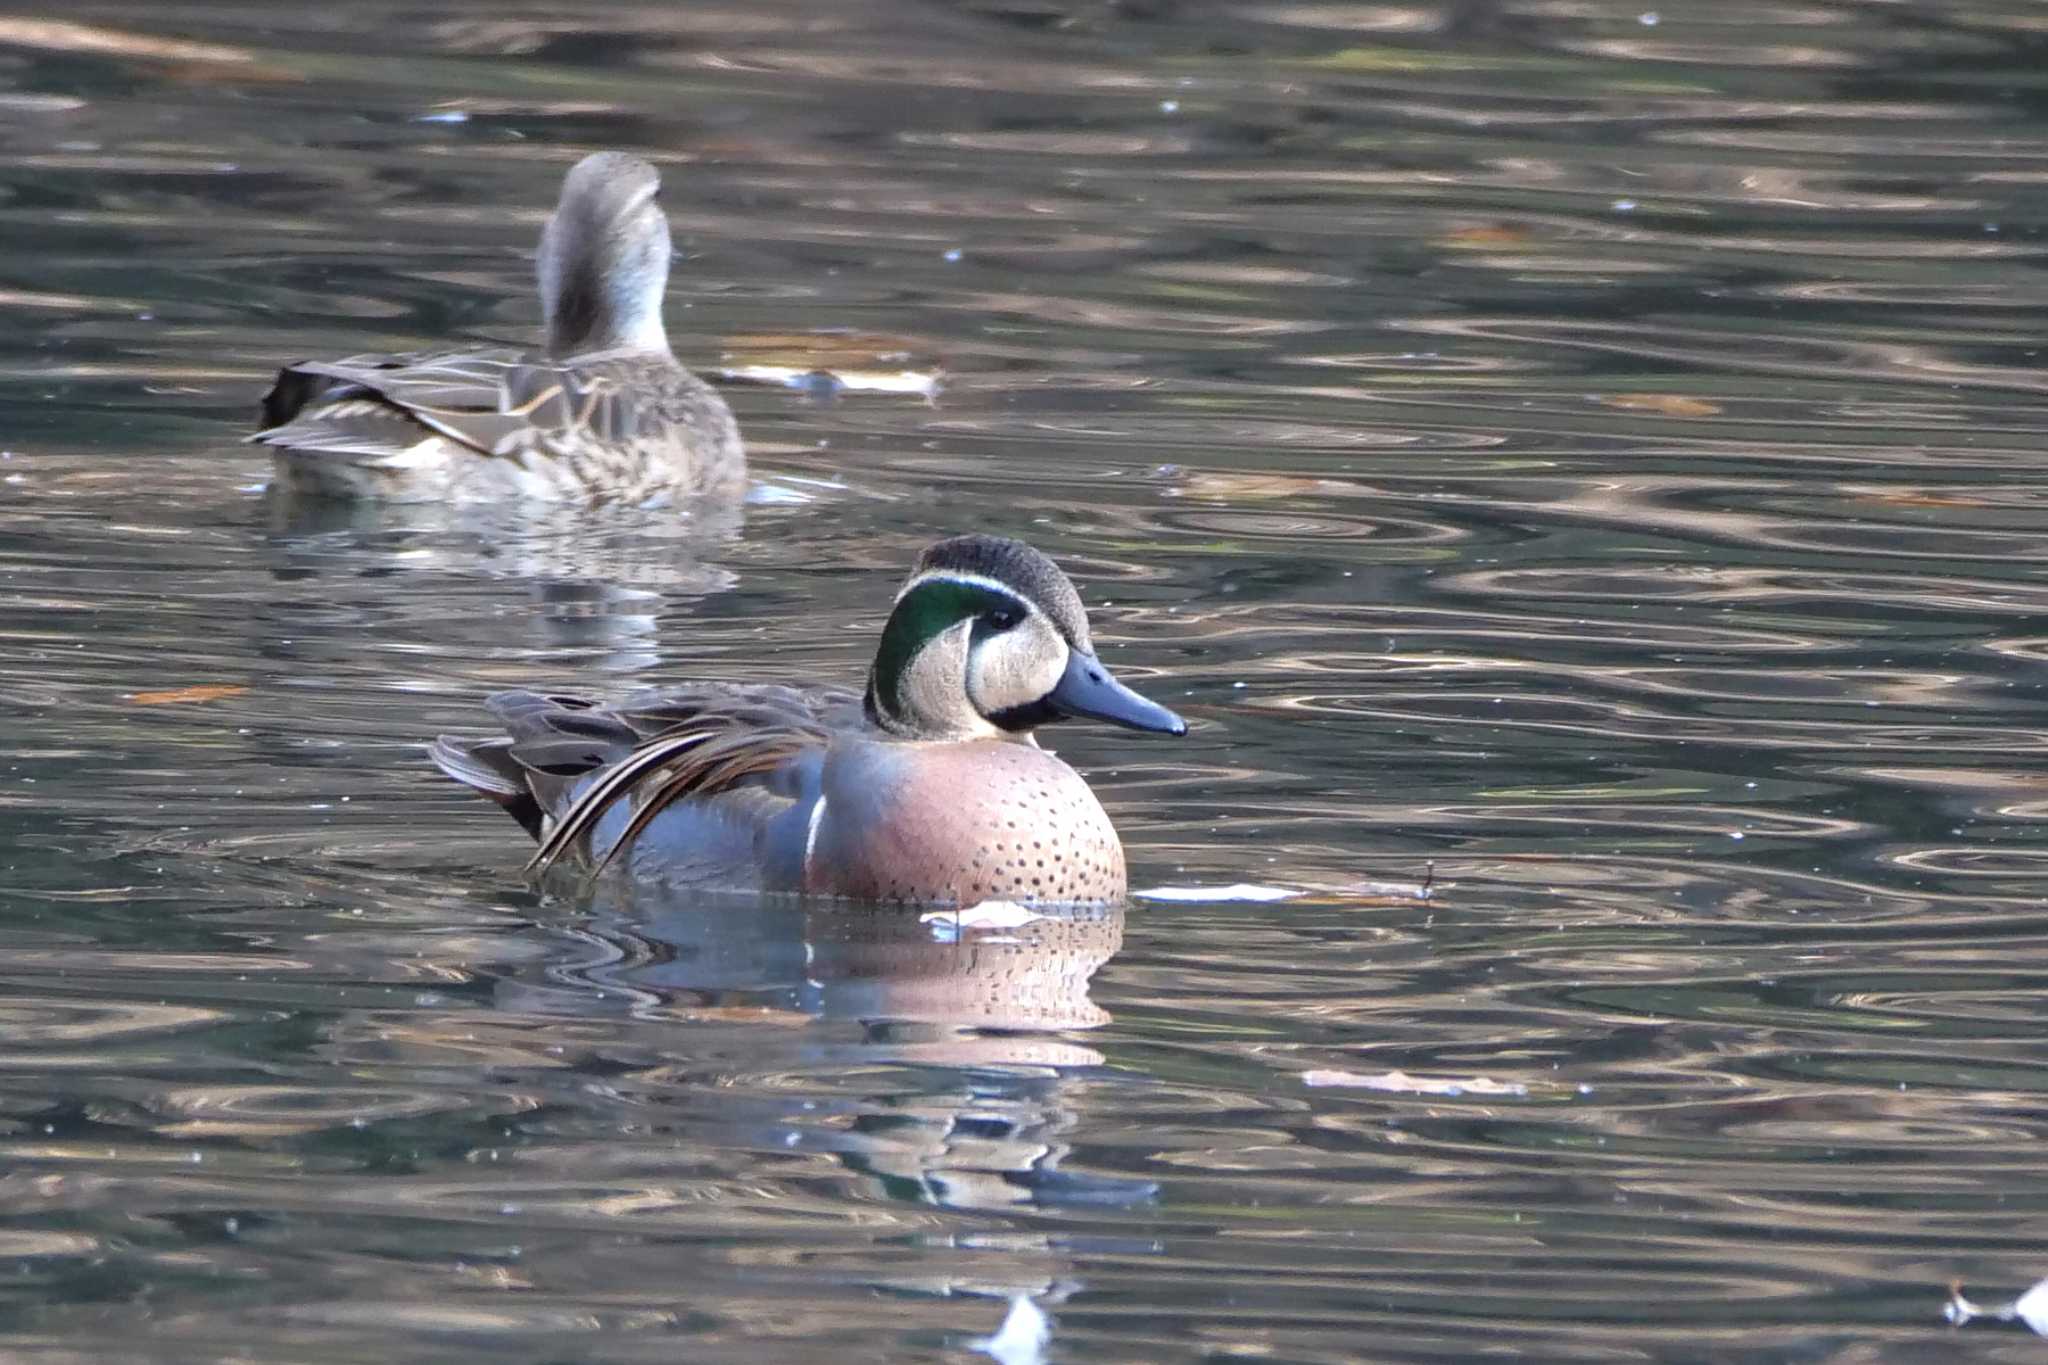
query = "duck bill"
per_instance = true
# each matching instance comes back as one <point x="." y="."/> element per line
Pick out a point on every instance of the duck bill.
<point x="1088" y="689"/>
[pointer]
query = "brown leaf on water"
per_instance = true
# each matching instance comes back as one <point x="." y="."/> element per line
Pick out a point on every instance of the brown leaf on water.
<point x="918" y="383"/>
<point x="857" y="362"/>
<point x="492" y="1276"/>
<point x="177" y="696"/>
<point x="1911" y="497"/>
<point x="826" y="350"/>
<point x="748" y="1014"/>
<point x="59" y="35"/>
<point x="1223" y="483"/>
<point x="1663" y="404"/>
<point x="177" y="59"/>
<point x="1485" y="236"/>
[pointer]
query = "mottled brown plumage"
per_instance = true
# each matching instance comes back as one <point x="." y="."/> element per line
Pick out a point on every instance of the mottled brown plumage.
<point x="605" y="411"/>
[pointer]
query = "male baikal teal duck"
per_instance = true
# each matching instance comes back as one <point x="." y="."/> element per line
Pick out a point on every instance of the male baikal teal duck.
<point x="929" y="787"/>
<point x="605" y="412"/>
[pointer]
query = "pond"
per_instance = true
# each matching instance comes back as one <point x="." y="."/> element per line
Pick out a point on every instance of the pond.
<point x="1585" y="457"/>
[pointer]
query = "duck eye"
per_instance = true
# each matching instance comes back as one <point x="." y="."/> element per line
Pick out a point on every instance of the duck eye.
<point x="1002" y="618"/>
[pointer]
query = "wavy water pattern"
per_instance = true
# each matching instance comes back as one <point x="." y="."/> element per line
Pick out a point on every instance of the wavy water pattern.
<point x="1586" y="458"/>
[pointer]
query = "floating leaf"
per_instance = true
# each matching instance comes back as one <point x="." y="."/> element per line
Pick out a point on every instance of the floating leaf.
<point x="855" y="350"/>
<point x="1485" y="236"/>
<point x="1909" y="497"/>
<point x="854" y="362"/>
<point x="1401" y="59"/>
<point x="917" y="383"/>
<point x="1664" y="404"/>
<point x="748" y="1014"/>
<point x="1234" y="485"/>
<point x="177" y="696"/>
<point x="177" y="58"/>
<point x="59" y="35"/>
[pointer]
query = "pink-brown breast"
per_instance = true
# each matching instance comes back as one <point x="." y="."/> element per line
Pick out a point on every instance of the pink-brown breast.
<point x="958" y="824"/>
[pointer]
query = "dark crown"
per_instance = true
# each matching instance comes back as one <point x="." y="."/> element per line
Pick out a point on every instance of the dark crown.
<point x="1019" y="568"/>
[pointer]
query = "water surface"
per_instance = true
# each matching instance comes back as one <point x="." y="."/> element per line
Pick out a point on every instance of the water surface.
<point x="1589" y="452"/>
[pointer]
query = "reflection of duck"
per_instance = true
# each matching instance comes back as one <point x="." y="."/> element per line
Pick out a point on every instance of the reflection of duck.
<point x="977" y="1113"/>
<point x="929" y="788"/>
<point x="583" y="585"/>
<point x="606" y="411"/>
<point x="886" y="965"/>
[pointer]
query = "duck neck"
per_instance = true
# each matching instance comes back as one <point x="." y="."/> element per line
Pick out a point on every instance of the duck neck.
<point x="588" y="312"/>
<point x="916" y="688"/>
<point x="599" y="295"/>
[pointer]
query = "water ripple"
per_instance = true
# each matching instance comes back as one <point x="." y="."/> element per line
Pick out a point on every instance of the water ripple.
<point x="1585" y="458"/>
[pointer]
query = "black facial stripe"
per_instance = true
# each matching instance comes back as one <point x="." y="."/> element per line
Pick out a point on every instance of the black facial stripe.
<point x="1029" y="716"/>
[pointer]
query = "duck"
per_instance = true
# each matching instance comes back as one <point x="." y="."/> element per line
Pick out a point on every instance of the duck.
<point x="605" y="412"/>
<point x="927" y="787"/>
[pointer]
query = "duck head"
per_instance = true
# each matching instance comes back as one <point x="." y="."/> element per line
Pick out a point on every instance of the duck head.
<point x="988" y="640"/>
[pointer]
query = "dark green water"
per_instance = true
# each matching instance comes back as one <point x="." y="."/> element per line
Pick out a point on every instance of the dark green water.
<point x="1596" y="451"/>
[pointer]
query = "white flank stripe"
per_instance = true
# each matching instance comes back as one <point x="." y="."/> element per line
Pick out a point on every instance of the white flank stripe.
<point x="811" y="833"/>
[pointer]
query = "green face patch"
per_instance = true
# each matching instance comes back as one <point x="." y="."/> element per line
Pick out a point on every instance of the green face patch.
<point x="921" y="614"/>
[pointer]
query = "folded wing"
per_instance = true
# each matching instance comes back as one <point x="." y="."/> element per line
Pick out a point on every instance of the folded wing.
<point x="564" y="761"/>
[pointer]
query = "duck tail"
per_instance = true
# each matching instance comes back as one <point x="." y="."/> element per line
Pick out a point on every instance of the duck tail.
<point x="488" y="767"/>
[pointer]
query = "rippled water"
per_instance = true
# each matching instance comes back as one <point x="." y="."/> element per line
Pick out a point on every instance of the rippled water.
<point x="1594" y="452"/>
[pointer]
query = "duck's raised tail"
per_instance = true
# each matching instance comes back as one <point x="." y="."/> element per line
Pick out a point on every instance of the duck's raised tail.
<point x="487" y="766"/>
